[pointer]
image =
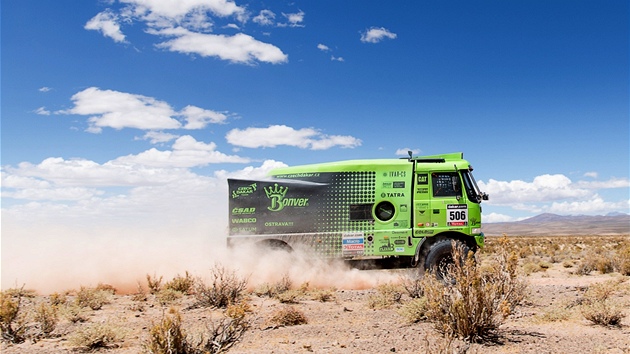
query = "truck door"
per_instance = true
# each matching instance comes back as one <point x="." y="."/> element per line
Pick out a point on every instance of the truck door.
<point x="449" y="209"/>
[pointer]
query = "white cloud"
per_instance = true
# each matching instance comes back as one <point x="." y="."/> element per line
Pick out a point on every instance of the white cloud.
<point x="118" y="110"/>
<point x="594" y="205"/>
<point x="495" y="217"/>
<point x="542" y="188"/>
<point x="277" y="135"/>
<point x="591" y="174"/>
<point x="187" y="152"/>
<point x="157" y="11"/>
<point x="199" y="118"/>
<point x="323" y="47"/>
<point x="294" y="19"/>
<point x="239" y="48"/>
<point x="156" y="137"/>
<point x="44" y="89"/>
<point x="42" y="111"/>
<point x="334" y="58"/>
<point x="554" y="194"/>
<point x="265" y="18"/>
<point x="375" y="35"/>
<point x="107" y="23"/>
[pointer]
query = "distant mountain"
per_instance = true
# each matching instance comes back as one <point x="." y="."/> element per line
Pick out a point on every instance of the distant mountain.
<point x="560" y="225"/>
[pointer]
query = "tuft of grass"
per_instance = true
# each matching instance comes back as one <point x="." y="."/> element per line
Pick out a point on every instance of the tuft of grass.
<point x="167" y="296"/>
<point x="225" y="288"/>
<point x="387" y="295"/>
<point x="73" y="313"/>
<point x="412" y="284"/>
<point x="92" y="298"/>
<point x="96" y="335"/>
<point x="323" y="295"/>
<point x="415" y="310"/>
<point x="288" y="316"/>
<point x="473" y="301"/>
<point x="184" y="284"/>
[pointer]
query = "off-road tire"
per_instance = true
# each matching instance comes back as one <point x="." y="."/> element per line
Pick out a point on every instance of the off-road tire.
<point x="440" y="256"/>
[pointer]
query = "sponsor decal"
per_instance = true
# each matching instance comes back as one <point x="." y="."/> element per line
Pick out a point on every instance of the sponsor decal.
<point x="400" y="249"/>
<point x="298" y="175"/>
<point x="387" y="185"/>
<point x="243" y="211"/>
<point x="279" y="223"/>
<point x="456" y="215"/>
<point x="424" y="232"/>
<point x="399" y="184"/>
<point x="399" y="242"/>
<point x="352" y="243"/>
<point x="397" y="174"/>
<point x="243" y="229"/>
<point x="422" y="190"/>
<point x="392" y="195"/>
<point x="276" y="195"/>
<point x="244" y="221"/>
<point x="423" y="178"/>
<point x="244" y="191"/>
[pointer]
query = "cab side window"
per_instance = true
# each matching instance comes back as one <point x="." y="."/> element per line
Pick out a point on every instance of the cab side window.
<point x="446" y="184"/>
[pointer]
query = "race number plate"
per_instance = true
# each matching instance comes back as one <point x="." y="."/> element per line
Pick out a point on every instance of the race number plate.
<point x="457" y="215"/>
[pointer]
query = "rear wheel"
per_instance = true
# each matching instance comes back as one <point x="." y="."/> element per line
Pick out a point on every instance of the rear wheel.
<point x="440" y="256"/>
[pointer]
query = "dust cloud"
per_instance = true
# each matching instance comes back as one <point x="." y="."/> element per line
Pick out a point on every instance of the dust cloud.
<point x="56" y="258"/>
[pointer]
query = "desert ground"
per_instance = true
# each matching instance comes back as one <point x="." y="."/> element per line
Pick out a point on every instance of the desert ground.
<point x="559" y="273"/>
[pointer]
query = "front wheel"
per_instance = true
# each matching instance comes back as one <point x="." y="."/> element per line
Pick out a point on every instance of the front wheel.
<point x="440" y="256"/>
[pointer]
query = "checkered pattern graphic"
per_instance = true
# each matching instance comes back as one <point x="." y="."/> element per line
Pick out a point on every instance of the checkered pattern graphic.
<point x="345" y="189"/>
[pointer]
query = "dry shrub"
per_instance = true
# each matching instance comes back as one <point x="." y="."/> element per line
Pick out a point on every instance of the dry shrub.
<point x="73" y="313"/>
<point x="154" y="283"/>
<point x="323" y="295"/>
<point x="622" y="260"/>
<point x="387" y="295"/>
<point x="96" y="335"/>
<point x="599" y="307"/>
<point x="415" y="310"/>
<point x="57" y="299"/>
<point x="184" y="284"/>
<point x="46" y="317"/>
<point x="605" y="313"/>
<point x="167" y="296"/>
<point x="168" y="336"/>
<point x="226" y="288"/>
<point x="12" y="320"/>
<point x="92" y="298"/>
<point x="288" y="316"/>
<point x="222" y="335"/>
<point x="289" y="296"/>
<point x="473" y="301"/>
<point x="106" y="288"/>
<point x="279" y="287"/>
<point x="531" y="267"/>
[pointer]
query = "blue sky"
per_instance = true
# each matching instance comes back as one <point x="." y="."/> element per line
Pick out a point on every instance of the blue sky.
<point x="130" y="115"/>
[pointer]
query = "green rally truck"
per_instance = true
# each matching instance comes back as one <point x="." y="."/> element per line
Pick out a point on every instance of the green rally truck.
<point x="411" y="209"/>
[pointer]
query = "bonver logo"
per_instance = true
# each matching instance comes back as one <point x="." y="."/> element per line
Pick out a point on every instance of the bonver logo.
<point x="276" y="195"/>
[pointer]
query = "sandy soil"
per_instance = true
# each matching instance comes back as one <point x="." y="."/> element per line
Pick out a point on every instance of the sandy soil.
<point x="346" y="324"/>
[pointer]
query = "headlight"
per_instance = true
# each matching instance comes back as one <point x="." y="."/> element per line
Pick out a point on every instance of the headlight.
<point x="476" y="231"/>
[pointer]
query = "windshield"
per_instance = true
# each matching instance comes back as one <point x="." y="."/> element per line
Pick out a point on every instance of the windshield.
<point x="472" y="190"/>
